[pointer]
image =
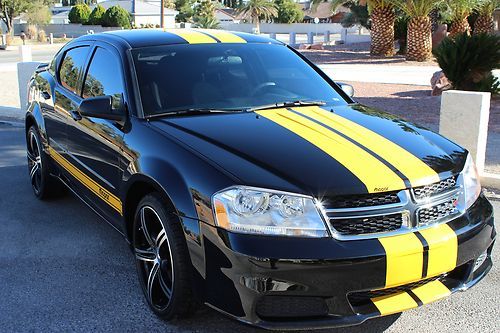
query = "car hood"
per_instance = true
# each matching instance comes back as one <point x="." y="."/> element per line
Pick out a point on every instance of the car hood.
<point x="349" y="149"/>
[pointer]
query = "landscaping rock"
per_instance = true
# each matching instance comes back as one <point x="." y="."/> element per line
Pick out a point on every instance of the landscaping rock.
<point x="439" y="83"/>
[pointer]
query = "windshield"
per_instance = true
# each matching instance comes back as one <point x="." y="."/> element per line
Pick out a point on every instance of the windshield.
<point x="226" y="77"/>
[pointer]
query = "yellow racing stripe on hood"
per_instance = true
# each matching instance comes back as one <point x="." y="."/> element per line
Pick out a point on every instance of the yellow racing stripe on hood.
<point x="376" y="176"/>
<point x="224" y="36"/>
<point x="443" y="249"/>
<point x="417" y="172"/>
<point x="192" y="36"/>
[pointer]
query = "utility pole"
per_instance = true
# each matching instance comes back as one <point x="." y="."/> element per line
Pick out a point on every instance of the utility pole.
<point x="162" y="14"/>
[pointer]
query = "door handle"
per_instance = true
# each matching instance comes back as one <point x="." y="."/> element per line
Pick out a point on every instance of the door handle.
<point x="75" y="115"/>
<point x="45" y="95"/>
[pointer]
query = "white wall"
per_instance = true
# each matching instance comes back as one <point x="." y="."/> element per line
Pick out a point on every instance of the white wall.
<point x="154" y="19"/>
<point x="71" y="30"/>
<point x="300" y="28"/>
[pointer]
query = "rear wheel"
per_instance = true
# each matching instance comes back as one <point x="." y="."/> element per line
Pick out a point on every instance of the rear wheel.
<point x="162" y="260"/>
<point x="42" y="183"/>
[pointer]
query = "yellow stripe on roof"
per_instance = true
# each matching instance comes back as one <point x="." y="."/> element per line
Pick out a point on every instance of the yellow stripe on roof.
<point x="376" y="176"/>
<point x="192" y="36"/>
<point x="417" y="172"/>
<point x="224" y="36"/>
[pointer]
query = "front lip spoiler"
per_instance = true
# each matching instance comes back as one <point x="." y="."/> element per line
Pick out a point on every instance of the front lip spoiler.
<point x="333" y="321"/>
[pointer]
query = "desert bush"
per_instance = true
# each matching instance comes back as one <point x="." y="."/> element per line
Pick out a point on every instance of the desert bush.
<point x="116" y="16"/>
<point x="31" y="31"/>
<point x="79" y="13"/>
<point x="42" y="36"/>
<point x="468" y="61"/>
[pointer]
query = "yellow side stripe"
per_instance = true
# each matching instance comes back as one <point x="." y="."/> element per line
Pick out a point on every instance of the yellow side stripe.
<point x="394" y="303"/>
<point x="376" y="176"/>
<point x="192" y="36"/>
<point x="412" y="167"/>
<point x="443" y="249"/>
<point x="224" y="36"/>
<point x="404" y="259"/>
<point x="88" y="182"/>
<point x="431" y="291"/>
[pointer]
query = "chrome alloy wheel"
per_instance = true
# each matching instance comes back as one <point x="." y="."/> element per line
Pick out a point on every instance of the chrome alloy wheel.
<point x="34" y="161"/>
<point x="153" y="258"/>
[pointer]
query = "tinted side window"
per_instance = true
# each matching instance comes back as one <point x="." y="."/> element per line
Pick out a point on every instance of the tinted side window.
<point x="104" y="77"/>
<point x="72" y="66"/>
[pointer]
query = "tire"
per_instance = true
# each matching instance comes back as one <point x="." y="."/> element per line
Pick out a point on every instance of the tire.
<point x="43" y="184"/>
<point x="162" y="259"/>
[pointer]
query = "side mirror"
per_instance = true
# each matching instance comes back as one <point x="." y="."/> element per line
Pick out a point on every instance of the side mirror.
<point x="347" y="88"/>
<point x="99" y="107"/>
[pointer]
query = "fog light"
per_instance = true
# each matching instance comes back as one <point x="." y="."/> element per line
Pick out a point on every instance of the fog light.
<point x="480" y="261"/>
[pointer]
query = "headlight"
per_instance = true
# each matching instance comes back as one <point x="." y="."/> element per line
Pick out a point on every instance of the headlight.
<point x="470" y="181"/>
<point x="258" y="211"/>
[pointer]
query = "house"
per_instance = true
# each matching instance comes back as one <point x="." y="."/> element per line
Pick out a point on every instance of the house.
<point x="226" y="16"/>
<point x="323" y="12"/>
<point x="144" y="12"/>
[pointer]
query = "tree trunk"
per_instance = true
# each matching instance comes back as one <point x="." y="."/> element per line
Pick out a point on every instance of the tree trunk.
<point x="460" y="27"/>
<point x="382" y="31"/>
<point x="484" y="24"/>
<point x="257" y="25"/>
<point x="419" y="39"/>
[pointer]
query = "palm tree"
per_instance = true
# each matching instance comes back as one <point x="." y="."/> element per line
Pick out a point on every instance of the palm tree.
<point x="257" y="10"/>
<point x="485" y="22"/>
<point x="382" y="24"/>
<point x="419" y="38"/>
<point x="460" y="11"/>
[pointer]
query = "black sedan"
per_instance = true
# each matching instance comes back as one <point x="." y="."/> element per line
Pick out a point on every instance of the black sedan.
<point x="244" y="178"/>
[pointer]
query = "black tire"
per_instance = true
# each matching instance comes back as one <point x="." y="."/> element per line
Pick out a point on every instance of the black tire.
<point x="43" y="184"/>
<point x="159" y="243"/>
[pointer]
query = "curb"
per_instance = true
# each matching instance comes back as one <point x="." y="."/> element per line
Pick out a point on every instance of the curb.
<point x="490" y="180"/>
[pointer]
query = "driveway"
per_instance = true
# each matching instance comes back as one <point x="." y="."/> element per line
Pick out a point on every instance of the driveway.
<point x="64" y="269"/>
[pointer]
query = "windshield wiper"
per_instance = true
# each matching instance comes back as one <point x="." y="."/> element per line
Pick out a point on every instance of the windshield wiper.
<point x="193" y="111"/>
<point x="286" y="105"/>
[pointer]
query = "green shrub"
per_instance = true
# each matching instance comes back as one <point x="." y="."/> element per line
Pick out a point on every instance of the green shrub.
<point x="116" y="16"/>
<point x="95" y="17"/>
<point x="468" y="61"/>
<point x="79" y="13"/>
<point x="288" y="12"/>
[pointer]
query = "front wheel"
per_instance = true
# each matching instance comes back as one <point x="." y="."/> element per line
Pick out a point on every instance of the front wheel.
<point x="162" y="259"/>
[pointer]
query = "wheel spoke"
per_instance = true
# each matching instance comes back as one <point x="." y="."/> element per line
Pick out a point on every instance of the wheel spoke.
<point x="151" y="279"/>
<point x="161" y="238"/>
<point x="166" y="289"/>
<point x="145" y="228"/>
<point x="33" y="170"/>
<point x="31" y="157"/>
<point x="145" y="255"/>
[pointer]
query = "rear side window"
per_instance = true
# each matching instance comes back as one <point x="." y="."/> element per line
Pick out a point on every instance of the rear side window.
<point x="104" y="77"/>
<point x="72" y="66"/>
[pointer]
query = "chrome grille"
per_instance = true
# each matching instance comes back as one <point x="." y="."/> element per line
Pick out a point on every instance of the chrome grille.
<point x="434" y="189"/>
<point x="358" y="201"/>
<point x="392" y="213"/>
<point x="437" y="212"/>
<point x="368" y="225"/>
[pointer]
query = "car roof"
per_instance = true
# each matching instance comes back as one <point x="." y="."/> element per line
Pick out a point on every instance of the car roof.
<point x="153" y="37"/>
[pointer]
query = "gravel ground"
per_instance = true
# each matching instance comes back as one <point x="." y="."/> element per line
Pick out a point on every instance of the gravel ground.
<point x="357" y="54"/>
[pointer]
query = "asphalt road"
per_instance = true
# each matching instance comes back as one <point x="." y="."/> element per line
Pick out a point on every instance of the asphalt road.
<point x="64" y="269"/>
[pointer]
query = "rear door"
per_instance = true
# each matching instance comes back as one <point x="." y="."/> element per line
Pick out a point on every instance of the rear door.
<point x="94" y="145"/>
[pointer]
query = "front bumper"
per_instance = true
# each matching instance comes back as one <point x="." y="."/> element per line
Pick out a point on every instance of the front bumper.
<point x="290" y="283"/>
